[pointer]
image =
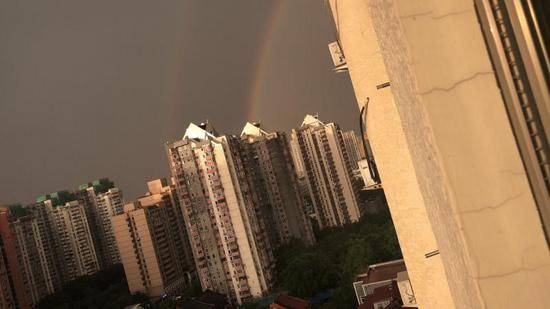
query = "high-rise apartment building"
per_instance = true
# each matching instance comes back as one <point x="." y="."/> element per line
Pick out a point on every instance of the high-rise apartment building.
<point x="51" y="242"/>
<point x="269" y="166"/>
<point x="323" y="164"/>
<point x="30" y="252"/>
<point x="39" y="277"/>
<point x="102" y="200"/>
<point x="7" y="297"/>
<point x="151" y="239"/>
<point x="76" y="249"/>
<point x="109" y="204"/>
<point x="45" y="237"/>
<point x="227" y="233"/>
<point x="162" y="189"/>
<point x="458" y="110"/>
<point x="354" y="148"/>
<point x="11" y="262"/>
<point x="66" y="225"/>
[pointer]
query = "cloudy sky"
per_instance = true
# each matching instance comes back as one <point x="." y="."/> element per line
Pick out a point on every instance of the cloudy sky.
<point x="92" y="89"/>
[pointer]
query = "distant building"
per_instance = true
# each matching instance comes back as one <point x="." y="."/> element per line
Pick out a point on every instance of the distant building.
<point x="40" y="277"/>
<point x="268" y="163"/>
<point x="161" y="191"/>
<point x="385" y="285"/>
<point x="77" y="252"/>
<point x="64" y="226"/>
<point x="45" y="245"/>
<point x="53" y="241"/>
<point x="151" y="246"/>
<point x="7" y="297"/>
<point x="12" y="290"/>
<point x="231" y="248"/>
<point x="44" y="238"/>
<point x="324" y="166"/>
<point x="354" y="148"/>
<point x="102" y="200"/>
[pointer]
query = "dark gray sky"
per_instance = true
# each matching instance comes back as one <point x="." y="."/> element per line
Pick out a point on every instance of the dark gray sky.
<point x="92" y="89"/>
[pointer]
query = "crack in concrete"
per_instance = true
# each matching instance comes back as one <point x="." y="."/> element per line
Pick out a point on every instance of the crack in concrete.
<point x="436" y="17"/>
<point x="509" y="273"/>
<point x="477" y="74"/>
<point x="413" y="16"/>
<point x="452" y="13"/>
<point x="502" y="203"/>
<point x="512" y="172"/>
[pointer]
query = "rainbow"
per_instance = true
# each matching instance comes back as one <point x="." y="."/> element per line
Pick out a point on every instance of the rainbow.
<point x="253" y="103"/>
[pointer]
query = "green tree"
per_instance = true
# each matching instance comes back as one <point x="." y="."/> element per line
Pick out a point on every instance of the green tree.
<point x="339" y="255"/>
<point x="106" y="289"/>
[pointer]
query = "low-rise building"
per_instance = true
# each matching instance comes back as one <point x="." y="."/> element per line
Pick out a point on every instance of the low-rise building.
<point x="285" y="301"/>
<point x="385" y="285"/>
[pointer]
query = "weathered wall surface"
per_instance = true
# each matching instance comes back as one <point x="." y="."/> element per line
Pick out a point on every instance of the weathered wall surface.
<point x="393" y="156"/>
<point x="446" y="152"/>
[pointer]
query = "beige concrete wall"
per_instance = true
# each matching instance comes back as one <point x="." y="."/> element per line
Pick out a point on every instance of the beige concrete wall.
<point x="128" y="257"/>
<point x="393" y="158"/>
<point x="202" y="163"/>
<point x="153" y="285"/>
<point x="446" y="153"/>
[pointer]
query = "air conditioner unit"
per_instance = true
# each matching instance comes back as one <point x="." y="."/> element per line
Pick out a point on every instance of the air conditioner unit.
<point x="338" y="58"/>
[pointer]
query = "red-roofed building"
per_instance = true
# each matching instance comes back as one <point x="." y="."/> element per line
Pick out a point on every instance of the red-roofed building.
<point x="285" y="301"/>
<point x="384" y="297"/>
<point x="384" y="286"/>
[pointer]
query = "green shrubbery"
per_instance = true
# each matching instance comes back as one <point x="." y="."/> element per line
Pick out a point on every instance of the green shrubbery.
<point x="106" y="289"/>
<point x="338" y="256"/>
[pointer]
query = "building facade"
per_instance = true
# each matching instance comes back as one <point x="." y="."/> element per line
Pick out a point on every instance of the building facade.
<point x="458" y="123"/>
<point x="354" y="148"/>
<point x="230" y="245"/>
<point x="7" y="298"/>
<point x="51" y="242"/>
<point x="137" y="251"/>
<point x="13" y="279"/>
<point x="270" y="168"/>
<point x="29" y="255"/>
<point x="102" y="200"/>
<point x="323" y="164"/>
<point x="45" y="238"/>
<point x="77" y="256"/>
<point x="152" y="242"/>
<point x="39" y="276"/>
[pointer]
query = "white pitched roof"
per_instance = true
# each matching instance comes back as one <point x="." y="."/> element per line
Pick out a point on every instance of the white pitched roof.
<point x="311" y="120"/>
<point x="195" y="132"/>
<point x="253" y="130"/>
